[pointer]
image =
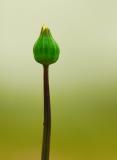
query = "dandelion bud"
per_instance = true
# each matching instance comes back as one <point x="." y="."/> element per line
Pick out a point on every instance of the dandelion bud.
<point x="46" y="50"/>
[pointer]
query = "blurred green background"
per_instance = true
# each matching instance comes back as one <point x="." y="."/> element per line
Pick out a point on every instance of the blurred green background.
<point x="83" y="82"/>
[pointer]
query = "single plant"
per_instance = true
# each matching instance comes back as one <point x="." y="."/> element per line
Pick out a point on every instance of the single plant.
<point x="46" y="51"/>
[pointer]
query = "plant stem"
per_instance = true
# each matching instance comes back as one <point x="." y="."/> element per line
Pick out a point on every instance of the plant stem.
<point x="47" y="116"/>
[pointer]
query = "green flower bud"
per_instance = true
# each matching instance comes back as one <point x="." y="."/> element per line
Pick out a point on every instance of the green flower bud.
<point x="46" y="50"/>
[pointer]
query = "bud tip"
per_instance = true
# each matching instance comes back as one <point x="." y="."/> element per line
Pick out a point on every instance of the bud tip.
<point x="44" y="28"/>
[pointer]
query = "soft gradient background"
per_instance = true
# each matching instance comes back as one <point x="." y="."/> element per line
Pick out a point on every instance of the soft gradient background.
<point x="83" y="82"/>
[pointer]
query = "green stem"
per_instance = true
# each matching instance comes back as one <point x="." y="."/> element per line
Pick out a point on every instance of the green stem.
<point x="47" y="117"/>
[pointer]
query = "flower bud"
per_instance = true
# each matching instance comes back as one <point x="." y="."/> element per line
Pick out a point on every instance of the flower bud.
<point x="46" y="50"/>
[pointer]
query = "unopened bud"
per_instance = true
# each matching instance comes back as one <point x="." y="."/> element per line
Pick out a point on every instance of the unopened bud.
<point x="46" y="50"/>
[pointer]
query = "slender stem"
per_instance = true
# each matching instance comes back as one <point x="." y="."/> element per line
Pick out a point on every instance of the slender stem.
<point x="47" y="117"/>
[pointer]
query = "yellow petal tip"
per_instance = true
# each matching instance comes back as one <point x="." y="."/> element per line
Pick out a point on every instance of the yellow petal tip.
<point x="44" y="28"/>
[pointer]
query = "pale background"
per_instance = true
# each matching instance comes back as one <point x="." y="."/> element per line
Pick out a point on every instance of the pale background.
<point x="83" y="82"/>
